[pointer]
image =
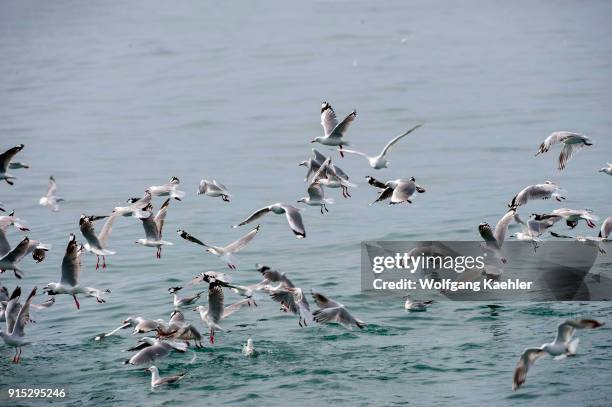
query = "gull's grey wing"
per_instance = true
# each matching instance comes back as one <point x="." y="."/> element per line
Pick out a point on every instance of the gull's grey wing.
<point x="18" y="252"/>
<point x="5" y="246"/>
<point x="502" y="226"/>
<point x="7" y="156"/>
<point x="285" y="298"/>
<point x="398" y="138"/>
<point x="295" y="220"/>
<point x="24" y="316"/>
<point x="487" y="234"/>
<point x="150" y="227"/>
<point x="107" y="229"/>
<point x="230" y="309"/>
<point x="215" y="302"/>
<point x="527" y="359"/>
<point x="568" y="152"/>
<point x="242" y="242"/>
<point x="161" y="217"/>
<point x="89" y="233"/>
<point x="337" y="314"/>
<point x="606" y="228"/>
<point x="11" y="310"/>
<point x="328" y="118"/>
<point x="255" y="215"/>
<point x="71" y="263"/>
<point x="566" y="330"/>
<point x="341" y="128"/>
<point x="150" y="353"/>
<point x="339" y="172"/>
<point x="276" y="277"/>
<point x="385" y="194"/>
<point x="324" y="302"/>
<point x="220" y="186"/>
<point x="52" y="188"/>
<point x="318" y="157"/>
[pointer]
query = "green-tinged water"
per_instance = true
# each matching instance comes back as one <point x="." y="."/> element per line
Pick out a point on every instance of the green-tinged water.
<point x="111" y="98"/>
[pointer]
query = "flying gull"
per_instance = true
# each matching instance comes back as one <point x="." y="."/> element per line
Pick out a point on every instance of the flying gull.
<point x="213" y="189"/>
<point x="561" y="347"/>
<point x="380" y="161"/>
<point x="331" y="311"/>
<point x="6" y="164"/>
<point x="50" y="200"/>
<point x="96" y="244"/>
<point x="153" y="226"/>
<point x="546" y="190"/>
<point x="399" y="190"/>
<point x="150" y="349"/>
<point x="17" y="317"/>
<point x="572" y="143"/>
<point x="226" y="253"/>
<point x="294" y="218"/>
<point x="169" y="189"/>
<point x="333" y="131"/>
<point x="316" y="196"/>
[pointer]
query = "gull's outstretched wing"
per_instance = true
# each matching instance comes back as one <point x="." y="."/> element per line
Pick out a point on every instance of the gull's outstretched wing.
<point x="396" y="139"/>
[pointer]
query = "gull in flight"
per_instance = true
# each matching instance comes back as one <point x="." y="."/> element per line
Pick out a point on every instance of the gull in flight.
<point x="316" y="196"/>
<point x="216" y="311"/>
<point x="153" y="226"/>
<point x="17" y="317"/>
<point x="71" y="271"/>
<point x="573" y="216"/>
<point x="399" y="190"/>
<point x="6" y="164"/>
<point x="96" y="244"/>
<point x="178" y="329"/>
<point x="10" y="258"/>
<point x="136" y="206"/>
<point x="561" y="347"/>
<point x="169" y="189"/>
<point x="182" y="302"/>
<point x="209" y="277"/>
<point x="293" y="300"/>
<point x="150" y="349"/>
<point x="213" y="189"/>
<point x="588" y="240"/>
<point x="140" y="325"/>
<point x="380" y="161"/>
<point x="607" y="169"/>
<point x="334" y="131"/>
<point x="415" y="306"/>
<point x="546" y="190"/>
<point x="314" y="163"/>
<point x="294" y="218"/>
<point x="572" y="143"/>
<point x="50" y="200"/>
<point x="157" y="380"/>
<point x="226" y="253"/>
<point x="494" y="239"/>
<point x="248" y="349"/>
<point x="328" y="176"/>
<point x="12" y="220"/>
<point x="331" y="311"/>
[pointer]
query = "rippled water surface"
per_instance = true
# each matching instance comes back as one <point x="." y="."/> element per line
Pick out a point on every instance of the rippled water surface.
<point x="111" y="97"/>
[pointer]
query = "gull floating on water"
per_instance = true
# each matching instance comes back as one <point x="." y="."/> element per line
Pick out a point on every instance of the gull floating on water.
<point x="226" y="253"/>
<point x="17" y="317"/>
<point x="572" y="143"/>
<point x="50" y="200"/>
<point x="399" y="190"/>
<point x="169" y="189"/>
<point x="157" y="380"/>
<point x="561" y="347"/>
<point x="6" y="164"/>
<point x="150" y="349"/>
<point x="539" y="191"/>
<point x="96" y="244"/>
<point x="331" y="311"/>
<point x="380" y="161"/>
<point x="334" y="131"/>
<point x="415" y="306"/>
<point x="294" y="218"/>
<point x="213" y="189"/>
<point x="248" y="349"/>
<point x="71" y="271"/>
<point x="153" y="226"/>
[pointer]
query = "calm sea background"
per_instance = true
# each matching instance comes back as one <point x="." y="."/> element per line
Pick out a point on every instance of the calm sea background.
<point x="112" y="97"/>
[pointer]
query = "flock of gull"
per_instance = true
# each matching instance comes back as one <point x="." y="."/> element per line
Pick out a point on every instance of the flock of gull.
<point x="177" y="334"/>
